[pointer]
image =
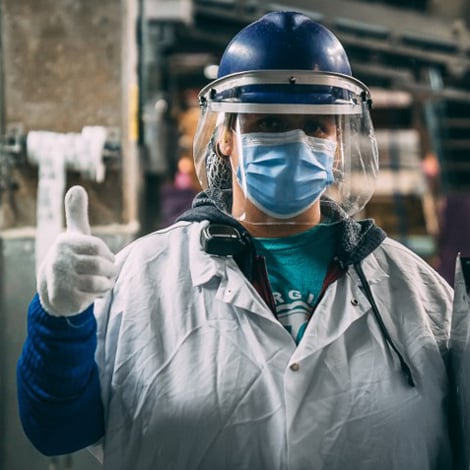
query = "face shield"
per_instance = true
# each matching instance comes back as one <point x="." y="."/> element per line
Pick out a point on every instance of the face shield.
<point x="269" y="144"/>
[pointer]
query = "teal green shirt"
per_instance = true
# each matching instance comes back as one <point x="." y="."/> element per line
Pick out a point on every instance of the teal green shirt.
<point x="296" y="267"/>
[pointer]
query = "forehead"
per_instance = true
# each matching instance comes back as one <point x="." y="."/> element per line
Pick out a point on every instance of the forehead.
<point x="287" y="117"/>
<point x="288" y="120"/>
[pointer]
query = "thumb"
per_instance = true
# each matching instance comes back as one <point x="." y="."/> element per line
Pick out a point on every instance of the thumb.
<point x="76" y="210"/>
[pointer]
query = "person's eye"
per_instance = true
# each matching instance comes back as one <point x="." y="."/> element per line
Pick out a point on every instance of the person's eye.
<point x="314" y="127"/>
<point x="318" y="127"/>
<point x="271" y="124"/>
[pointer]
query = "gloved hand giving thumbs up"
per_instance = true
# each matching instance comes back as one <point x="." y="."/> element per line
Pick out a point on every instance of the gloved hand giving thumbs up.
<point x="79" y="267"/>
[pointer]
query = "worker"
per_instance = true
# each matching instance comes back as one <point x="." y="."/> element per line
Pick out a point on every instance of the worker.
<point x="267" y="328"/>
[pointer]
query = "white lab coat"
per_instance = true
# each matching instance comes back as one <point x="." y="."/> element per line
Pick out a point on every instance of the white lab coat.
<point x="197" y="373"/>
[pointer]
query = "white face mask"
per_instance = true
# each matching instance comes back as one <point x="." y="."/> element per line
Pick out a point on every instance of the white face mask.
<point x="284" y="173"/>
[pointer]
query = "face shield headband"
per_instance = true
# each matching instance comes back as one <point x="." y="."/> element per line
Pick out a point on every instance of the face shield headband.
<point x="277" y="98"/>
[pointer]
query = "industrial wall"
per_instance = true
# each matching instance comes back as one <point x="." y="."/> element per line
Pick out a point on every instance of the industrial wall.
<point x="61" y="67"/>
<point x="62" y="71"/>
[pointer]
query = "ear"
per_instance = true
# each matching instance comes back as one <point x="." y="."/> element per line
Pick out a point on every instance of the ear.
<point x="225" y="142"/>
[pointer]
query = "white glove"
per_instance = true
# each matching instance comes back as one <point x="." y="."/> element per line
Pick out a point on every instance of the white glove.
<point x="78" y="267"/>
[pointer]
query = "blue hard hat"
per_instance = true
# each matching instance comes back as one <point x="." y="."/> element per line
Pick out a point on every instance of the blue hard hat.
<point x="285" y="40"/>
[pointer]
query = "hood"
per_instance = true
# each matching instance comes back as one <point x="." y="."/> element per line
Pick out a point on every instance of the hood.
<point x="356" y="239"/>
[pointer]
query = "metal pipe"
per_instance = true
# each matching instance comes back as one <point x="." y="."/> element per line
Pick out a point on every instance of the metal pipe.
<point x="2" y="310"/>
<point x="6" y="210"/>
<point x="2" y="76"/>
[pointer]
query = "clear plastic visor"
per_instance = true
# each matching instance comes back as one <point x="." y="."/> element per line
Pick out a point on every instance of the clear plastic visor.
<point x="269" y="163"/>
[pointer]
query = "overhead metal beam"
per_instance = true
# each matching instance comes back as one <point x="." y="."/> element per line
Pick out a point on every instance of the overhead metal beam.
<point x="396" y="22"/>
<point x="374" y="27"/>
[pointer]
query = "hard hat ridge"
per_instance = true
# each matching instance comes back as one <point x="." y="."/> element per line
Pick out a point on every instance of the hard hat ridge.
<point x="284" y="40"/>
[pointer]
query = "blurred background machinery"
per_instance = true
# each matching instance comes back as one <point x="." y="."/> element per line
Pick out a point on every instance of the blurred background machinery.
<point x="105" y="94"/>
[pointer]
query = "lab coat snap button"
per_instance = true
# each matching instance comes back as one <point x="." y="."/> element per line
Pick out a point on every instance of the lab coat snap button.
<point x="295" y="366"/>
<point x="354" y="302"/>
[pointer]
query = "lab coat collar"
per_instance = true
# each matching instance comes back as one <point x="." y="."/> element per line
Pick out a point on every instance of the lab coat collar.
<point x="203" y="266"/>
<point x="231" y="284"/>
<point x="329" y="322"/>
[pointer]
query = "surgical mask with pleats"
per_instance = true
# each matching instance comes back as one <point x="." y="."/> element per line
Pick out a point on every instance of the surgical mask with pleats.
<point x="284" y="173"/>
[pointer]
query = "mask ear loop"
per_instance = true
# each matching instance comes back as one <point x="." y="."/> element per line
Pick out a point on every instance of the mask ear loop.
<point x="218" y="168"/>
<point x="238" y="171"/>
<point x="338" y="164"/>
<point x="219" y="152"/>
<point x="224" y="134"/>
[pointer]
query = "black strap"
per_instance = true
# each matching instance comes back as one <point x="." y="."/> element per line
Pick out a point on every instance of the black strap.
<point x="404" y="366"/>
